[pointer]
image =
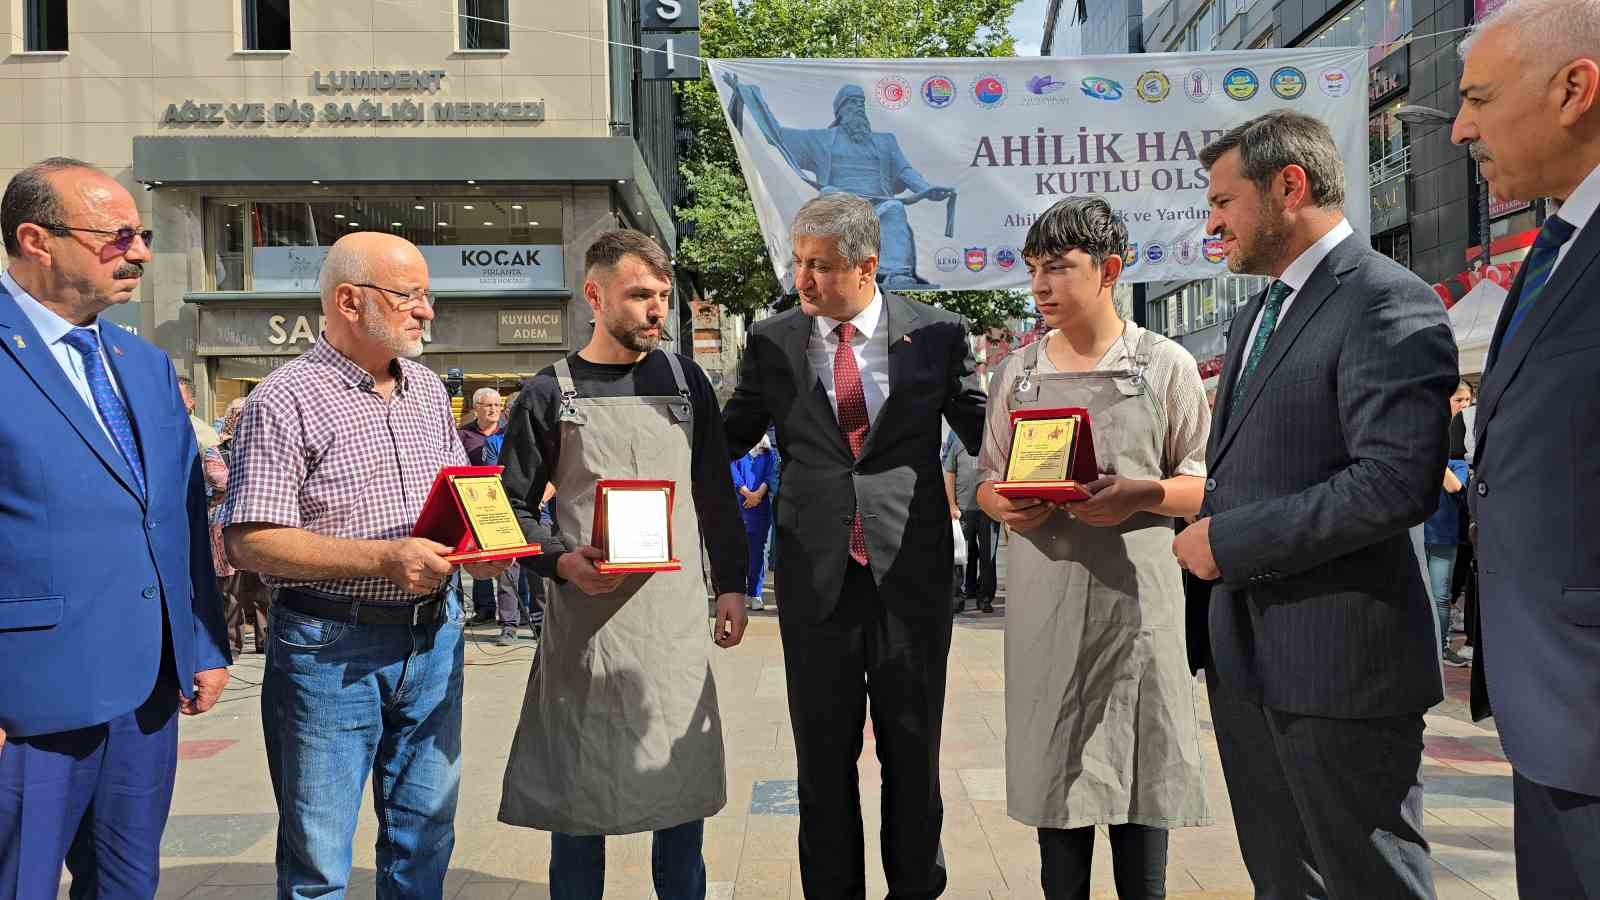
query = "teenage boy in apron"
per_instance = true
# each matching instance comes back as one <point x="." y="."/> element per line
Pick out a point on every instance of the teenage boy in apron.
<point x="620" y="731"/>
<point x="1100" y="706"/>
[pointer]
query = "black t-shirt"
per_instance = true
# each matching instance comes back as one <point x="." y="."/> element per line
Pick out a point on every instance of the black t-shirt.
<point x="533" y="448"/>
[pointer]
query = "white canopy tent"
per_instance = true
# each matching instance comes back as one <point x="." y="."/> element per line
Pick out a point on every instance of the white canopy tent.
<point x="1473" y="320"/>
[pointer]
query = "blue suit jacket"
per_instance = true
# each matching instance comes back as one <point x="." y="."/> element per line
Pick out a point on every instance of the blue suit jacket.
<point x="92" y="577"/>
<point x="1536" y="500"/>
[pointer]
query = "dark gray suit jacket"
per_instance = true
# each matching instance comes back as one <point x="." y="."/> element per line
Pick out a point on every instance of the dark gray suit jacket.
<point x="1336" y="449"/>
<point x="1536" y="501"/>
<point x="898" y="481"/>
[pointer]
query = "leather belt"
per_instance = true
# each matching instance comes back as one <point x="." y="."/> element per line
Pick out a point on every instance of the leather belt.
<point x="363" y="612"/>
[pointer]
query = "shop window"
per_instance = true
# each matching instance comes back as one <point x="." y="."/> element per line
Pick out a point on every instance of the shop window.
<point x="266" y="24"/>
<point x="279" y="245"/>
<point x="225" y="241"/>
<point x="1375" y="24"/>
<point x="45" y="25"/>
<point x="1155" y="312"/>
<point x="485" y="24"/>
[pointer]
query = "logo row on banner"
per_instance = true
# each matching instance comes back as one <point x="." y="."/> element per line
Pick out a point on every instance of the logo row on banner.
<point x="990" y="91"/>
<point x="959" y="156"/>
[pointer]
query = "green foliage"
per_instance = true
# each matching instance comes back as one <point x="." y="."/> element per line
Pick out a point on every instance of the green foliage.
<point x="983" y="309"/>
<point x="726" y="247"/>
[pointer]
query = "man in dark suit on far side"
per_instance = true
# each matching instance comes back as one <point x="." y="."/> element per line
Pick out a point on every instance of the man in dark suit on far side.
<point x="1530" y="112"/>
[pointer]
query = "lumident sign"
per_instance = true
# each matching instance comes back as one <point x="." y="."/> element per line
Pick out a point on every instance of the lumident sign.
<point x="319" y="108"/>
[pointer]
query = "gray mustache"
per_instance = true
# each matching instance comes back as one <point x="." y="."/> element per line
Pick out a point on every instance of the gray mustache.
<point x="1478" y="153"/>
<point x="130" y="270"/>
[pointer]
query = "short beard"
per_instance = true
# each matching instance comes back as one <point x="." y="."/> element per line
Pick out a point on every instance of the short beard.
<point x="1268" y="244"/>
<point x="396" y="343"/>
<point x="635" y="339"/>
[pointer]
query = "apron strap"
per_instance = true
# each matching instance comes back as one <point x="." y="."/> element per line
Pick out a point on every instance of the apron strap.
<point x="1023" y="384"/>
<point x="683" y="410"/>
<point x="1141" y="353"/>
<point x="569" y="393"/>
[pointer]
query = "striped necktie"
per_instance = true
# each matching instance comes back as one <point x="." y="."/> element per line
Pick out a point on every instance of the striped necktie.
<point x="1270" y="310"/>
<point x="113" y="412"/>
<point x="1540" y="264"/>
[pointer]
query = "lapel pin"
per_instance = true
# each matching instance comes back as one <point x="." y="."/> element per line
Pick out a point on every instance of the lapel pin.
<point x="116" y="350"/>
<point x="906" y="339"/>
<point x="21" y="344"/>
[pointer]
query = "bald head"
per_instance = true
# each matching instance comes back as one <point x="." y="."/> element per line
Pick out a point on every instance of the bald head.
<point x="366" y="257"/>
<point x="374" y="295"/>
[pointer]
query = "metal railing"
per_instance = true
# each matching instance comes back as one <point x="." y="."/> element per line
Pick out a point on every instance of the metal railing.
<point x="1394" y="165"/>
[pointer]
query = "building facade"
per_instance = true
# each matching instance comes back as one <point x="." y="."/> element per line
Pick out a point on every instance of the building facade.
<point x="1427" y="204"/>
<point x="498" y="135"/>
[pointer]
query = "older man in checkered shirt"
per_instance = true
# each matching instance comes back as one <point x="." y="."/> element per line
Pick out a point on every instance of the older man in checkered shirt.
<point x="333" y="458"/>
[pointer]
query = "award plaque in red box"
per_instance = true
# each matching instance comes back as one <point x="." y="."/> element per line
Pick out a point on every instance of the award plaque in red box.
<point x="1052" y="455"/>
<point x="633" y="526"/>
<point x="467" y="509"/>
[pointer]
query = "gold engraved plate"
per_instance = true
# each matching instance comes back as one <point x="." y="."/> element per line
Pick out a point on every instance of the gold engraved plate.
<point x="1041" y="449"/>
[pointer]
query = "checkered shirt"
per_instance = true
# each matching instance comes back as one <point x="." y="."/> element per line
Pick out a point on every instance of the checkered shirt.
<point x="318" y="448"/>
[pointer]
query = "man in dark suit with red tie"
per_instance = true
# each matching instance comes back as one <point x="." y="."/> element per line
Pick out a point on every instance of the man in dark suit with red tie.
<point x="856" y="381"/>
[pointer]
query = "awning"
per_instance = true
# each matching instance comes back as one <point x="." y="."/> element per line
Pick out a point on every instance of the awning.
<point x="614" y="161"/>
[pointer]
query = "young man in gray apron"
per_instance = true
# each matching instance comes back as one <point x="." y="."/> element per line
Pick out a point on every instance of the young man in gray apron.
<point x="620" y="731"/>
<point x="1100" y="705"/>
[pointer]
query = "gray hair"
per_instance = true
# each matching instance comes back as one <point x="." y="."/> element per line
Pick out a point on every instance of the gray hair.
<point x="1077" y="223"/>
<point x="480" y="394"/>
<point x="1562" y="30"/>
<point x="346" y="264"/>
<point x="1273" y="141"/>
<point x="846" y="217"/>
<point x="31" y="198"/>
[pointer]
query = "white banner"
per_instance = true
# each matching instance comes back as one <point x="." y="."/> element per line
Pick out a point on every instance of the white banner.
<point x="463" y="267"/>
<point x="960" y="155"/>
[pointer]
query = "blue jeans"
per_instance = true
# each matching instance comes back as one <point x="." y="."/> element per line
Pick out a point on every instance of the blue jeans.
<point x="1441" y="566"/>
<point x="340" y="700"/>
<point x="578" y="864"/>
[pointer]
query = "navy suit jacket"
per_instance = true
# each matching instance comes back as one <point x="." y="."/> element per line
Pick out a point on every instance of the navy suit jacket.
<point x="94" y="579"/>
<point x="1536" y="500"/>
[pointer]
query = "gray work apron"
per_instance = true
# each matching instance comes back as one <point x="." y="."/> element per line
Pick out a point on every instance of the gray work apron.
<point x="1100" y="704"/>
<point x="620" y="731"/>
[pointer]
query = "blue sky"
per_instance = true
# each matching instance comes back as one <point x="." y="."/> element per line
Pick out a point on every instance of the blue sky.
<point x="1027" y="23"/>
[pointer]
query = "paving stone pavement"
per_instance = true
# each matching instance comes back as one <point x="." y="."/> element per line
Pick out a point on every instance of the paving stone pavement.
<point x="219" y="843"/>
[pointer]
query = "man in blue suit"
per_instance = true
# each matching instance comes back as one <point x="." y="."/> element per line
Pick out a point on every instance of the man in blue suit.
<point x="1530" y="112"/>
<point x="110" y="623"/>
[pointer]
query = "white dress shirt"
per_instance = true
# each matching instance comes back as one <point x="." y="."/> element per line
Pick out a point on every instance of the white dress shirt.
<point x="1578" y="210"/>
<point x="870" y="347"/>
<point x="52" y="328"/>
<point x="1296" y="276"/>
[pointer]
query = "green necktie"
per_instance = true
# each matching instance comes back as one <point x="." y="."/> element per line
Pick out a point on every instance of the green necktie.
<point x="1276" y="294"/>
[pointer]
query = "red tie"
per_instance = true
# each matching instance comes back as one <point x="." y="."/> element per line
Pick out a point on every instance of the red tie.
<point x="852" y="404"/>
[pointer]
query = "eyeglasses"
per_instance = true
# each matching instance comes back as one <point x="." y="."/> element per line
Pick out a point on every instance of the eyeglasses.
<point x="122" y="237"/>
<point x="409" y="299"/>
